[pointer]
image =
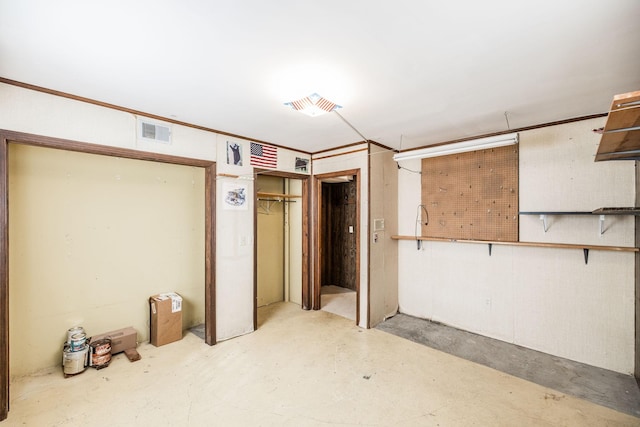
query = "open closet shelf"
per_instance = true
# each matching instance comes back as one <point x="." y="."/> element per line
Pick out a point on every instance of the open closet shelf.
<point x="266" y="200"/>
<point x="621" y="136"/>
<point x="263" y="196"/>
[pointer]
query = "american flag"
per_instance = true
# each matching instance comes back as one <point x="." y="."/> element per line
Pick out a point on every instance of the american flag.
<point x="264" y="155"/>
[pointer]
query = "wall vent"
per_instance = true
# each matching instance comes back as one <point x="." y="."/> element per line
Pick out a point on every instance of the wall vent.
<point x="151" y="131"/>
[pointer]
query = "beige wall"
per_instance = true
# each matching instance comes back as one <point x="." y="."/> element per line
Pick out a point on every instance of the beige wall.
<point x="293" y="252"/>
<point x="541" y="298"/>
<point x="383" y="262"/>
<point x="91" y="238"/>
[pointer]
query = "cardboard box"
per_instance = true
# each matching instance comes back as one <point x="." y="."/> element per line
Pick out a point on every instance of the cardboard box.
<point x="166" y="318"/>
<point x="121" y="339"/>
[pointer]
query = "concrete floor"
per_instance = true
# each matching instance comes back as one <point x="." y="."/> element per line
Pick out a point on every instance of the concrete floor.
<point x="300" y="368"/>
<point x="601" y="386"/>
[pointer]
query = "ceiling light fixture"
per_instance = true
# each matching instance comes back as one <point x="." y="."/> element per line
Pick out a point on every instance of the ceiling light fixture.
<point x="313" y="105"/>
<point x="459" y="147"/>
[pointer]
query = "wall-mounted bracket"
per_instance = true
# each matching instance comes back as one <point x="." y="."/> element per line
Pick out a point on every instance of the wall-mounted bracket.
<point x="490" y="247"/>
<point x="602" y="225"/>
<point x="586" y="255"/>
<point x="543" y="218"/>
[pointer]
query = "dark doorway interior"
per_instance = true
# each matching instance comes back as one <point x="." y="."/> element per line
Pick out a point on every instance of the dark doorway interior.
<point x="338" y="234"/>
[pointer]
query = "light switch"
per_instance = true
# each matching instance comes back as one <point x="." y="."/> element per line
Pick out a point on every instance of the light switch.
<point x="351" y="229"/>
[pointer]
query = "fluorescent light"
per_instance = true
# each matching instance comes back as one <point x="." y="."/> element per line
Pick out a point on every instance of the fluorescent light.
<point x="459" y="147"/>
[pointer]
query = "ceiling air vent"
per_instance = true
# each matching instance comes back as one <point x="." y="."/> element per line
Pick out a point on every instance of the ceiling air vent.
<point x="151" y="131"/>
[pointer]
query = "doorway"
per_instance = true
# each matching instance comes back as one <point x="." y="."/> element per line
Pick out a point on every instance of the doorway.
<point x="281" y="240"/>
<point x="337" y="285"/>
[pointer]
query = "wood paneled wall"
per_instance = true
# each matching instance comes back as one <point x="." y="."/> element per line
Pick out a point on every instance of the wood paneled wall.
<point x="339" y="245"/>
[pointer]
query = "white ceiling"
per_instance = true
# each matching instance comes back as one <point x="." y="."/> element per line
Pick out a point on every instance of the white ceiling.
<point x="408" y="73"/>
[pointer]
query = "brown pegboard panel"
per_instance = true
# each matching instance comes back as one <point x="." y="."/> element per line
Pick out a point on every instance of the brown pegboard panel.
<point x="473" y="195"/>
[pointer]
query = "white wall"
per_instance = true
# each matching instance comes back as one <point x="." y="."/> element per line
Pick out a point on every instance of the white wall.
<point x="342" y="160"/>
<point x="541" y="298"/>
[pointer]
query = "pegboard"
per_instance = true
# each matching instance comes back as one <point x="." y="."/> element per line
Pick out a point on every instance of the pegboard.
<point x="472" y="196"/>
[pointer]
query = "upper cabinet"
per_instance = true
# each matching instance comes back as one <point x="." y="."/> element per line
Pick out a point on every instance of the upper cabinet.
<point x="621" y="135"/>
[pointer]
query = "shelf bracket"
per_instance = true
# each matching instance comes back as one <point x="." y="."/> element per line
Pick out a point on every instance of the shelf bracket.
<point x="586" y="255"/>
<point x="543" y="218"/>
<point x="602" y="225"/>
<point x="490" y="246"/>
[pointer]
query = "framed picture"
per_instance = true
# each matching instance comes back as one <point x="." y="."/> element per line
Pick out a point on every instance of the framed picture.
<point x="234" y="153"/>
<point x="235" y="196"/>
<point x="302" y="164"/>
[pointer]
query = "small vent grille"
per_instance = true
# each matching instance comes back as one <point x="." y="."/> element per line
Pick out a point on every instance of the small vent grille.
<point x="155" y="132"/>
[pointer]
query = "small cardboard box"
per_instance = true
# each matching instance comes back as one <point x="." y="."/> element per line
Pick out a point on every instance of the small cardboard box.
<point x="166" y="318"/>
<point x="121" y="339"/>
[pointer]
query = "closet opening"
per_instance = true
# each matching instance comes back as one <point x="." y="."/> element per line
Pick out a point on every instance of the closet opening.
<point x="281" y="240"/>
<point x="18" y="138"/>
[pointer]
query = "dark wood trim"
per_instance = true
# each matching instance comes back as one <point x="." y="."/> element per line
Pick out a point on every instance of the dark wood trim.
<point x="4" y="279"/>
<point x="636" y="371"/>
<point x="317" y="227"/>
<point x="178" y="122"/>
<point x="522" y="129"/>
<point x="134" y="112"/>
<point x="354" y="144"/>
<point x="340" y="154"/>
<point x="370" y="221"/>
<point x="358" y="250"/>
<point x="104" y="150"/>
<point x="7" y="137"/>
<point x="255" y="255"/>
<point x="384" y="147"/>
<point x="210" y="255"/>
<point x="306" y="244"/>
<point x="342" y="147"/>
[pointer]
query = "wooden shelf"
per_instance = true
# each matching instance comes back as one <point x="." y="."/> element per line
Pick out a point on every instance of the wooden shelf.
<point x="262" y="195"/>
<point x="532" y="244"/>
<point x="621" y="136"/>
<point x="585" y="248"/>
